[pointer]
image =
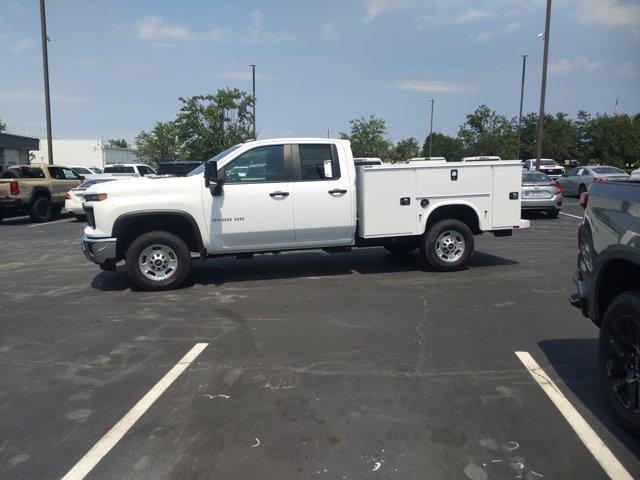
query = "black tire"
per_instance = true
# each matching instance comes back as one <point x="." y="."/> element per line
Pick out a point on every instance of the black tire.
<point x="581" y="189"/>
<point x="553" y="213"/>
<point x="429" y="245"/>
<point x="619" y="359"/>
<point x="401" y="246"/>
<point x="56" y="210"/>
<point x="164" y="240"/>
<point x="41" y="210"/>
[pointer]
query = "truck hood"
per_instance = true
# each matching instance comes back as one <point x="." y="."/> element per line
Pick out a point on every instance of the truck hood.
<point x="146" y="186"/>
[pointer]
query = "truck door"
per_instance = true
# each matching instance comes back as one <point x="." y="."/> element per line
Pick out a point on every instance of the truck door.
<point x="256" y="209"/>
<point x="322" y="204"/>
<point x="62" y="180"/>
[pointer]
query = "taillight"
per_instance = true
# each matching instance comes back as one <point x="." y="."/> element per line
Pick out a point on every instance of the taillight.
<point x="584" y="199"/>
<point x="600" y="179"/>
<point x="67" y="196"/>
<point x="14" y="188"/>
<point x="559" y="188"/>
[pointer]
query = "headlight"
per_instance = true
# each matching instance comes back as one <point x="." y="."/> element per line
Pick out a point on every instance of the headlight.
<point x="95" y="197"/>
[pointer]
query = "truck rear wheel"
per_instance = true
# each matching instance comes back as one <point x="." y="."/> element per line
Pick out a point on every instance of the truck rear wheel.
<point x="158" y="261"/>
<point x="619" y="359"/>
<point x="447" y="245"/>
<point x="41" y="210"/>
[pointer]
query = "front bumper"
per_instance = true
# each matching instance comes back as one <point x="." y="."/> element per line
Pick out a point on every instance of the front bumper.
<point x="99" y="250"/>
<point x="579" y="299"/>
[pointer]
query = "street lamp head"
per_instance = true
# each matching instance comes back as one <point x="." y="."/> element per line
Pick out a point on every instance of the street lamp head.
<point x="525" y="55"/>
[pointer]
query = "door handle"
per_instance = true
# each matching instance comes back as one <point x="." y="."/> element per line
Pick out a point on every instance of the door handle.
<point x="336" y="190"/>
<point x="279" y="194"/>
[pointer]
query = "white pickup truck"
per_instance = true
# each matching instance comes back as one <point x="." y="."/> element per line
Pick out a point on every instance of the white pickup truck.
<point x="269" y="196"/>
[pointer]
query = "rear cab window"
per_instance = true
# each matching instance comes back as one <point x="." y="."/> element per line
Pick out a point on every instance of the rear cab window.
<point x="316" y="162"/>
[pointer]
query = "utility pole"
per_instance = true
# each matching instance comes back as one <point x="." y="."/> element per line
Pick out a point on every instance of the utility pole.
<point x="547" y="28"/>
<point x="328" y="136"/>
<point x="45" y="65"/>
<point x="431" y="128"/>
<point x="524" y="66"/>
<point x="253" y="75"/>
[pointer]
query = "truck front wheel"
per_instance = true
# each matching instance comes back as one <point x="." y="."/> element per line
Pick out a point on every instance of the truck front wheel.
<point x="158" y="261"/>
<point x="447" y="245"/>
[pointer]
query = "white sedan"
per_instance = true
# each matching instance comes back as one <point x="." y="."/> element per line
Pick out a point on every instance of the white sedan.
<point x="75" y="197"/>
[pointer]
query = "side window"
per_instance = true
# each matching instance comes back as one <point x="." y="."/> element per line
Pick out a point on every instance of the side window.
<point x="584" y="172"/>
<point x="70" y="174"/>
<point x="318" y="162"/>
<point x="143" y="170"/>
<point x="572" y="173"/>
<point x="262" y="164"/>
<point x="57" y="173"/>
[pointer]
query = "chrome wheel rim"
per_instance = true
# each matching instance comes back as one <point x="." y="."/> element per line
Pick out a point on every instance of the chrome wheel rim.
<point x="450" y="246"/>
<point x="158" y="262"/>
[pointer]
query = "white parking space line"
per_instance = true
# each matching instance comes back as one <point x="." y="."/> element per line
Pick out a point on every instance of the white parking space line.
<point x="50" y="223"/>
<point x="569" y="215"/>
<point x="113" y="436"/>
<point x="589" y="437"/>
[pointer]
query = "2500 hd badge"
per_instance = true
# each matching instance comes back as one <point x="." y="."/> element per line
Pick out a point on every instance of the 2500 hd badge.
<point x="234" y="219"/>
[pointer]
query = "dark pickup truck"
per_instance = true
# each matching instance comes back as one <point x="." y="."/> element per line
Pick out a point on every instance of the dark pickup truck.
<point x="608" y="284"/>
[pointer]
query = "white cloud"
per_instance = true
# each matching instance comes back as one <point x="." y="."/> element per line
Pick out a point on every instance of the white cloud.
<point x="7" y="96"/>
<point x="433" y="86"/>
<point x="22" y="45"/>
<point x="375" y="8"/>
<point x="152" y="27"/>
<point x="330" y="32"/>
<point x="610" y="13"/>
<point x="256" y="33"/>
<point x="580" y="63"/>
<point x="239" y="75"/>
<point x="473" y="15"/>
<point x="496" y="32"/>
<point x="628" y="69"/>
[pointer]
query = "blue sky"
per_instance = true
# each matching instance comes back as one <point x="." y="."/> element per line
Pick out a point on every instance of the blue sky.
<point x="118" y="66"/>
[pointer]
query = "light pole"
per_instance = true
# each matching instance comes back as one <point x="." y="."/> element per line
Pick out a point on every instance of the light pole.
<point x="524" y="66"/>
<point x="547" y="28"/>
<point x="45" y="65"/>
<point x="253" y="75"/>
<point x="431" y="128"/>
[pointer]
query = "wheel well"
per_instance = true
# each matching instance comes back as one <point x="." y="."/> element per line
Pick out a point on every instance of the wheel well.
<point x="128" y="228"/>
<point x="617" y="276"/>
<point x="464" y="213"/>
<point x="40" y="192"/>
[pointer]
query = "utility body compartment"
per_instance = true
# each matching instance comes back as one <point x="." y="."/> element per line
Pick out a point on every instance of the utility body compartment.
<point x="397" y="200"/>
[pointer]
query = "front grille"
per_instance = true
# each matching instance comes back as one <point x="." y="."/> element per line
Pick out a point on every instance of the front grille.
<point x="553" y="171"/>
<point x="91" y="219"/>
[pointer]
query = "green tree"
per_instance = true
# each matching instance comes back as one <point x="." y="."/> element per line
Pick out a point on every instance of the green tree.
<point x="486" y="132"/>
<point x="208" y="124"/>
<point x="445" y="146"/>
<point x="367" y="138"/>
<point x="3" y="126"/>
<point x="118" y="143"/>
<point x="559" y="140"/>
<point x="405" y="149"/>
<point x="160" y="144"/>
<point x="615" y="140"/>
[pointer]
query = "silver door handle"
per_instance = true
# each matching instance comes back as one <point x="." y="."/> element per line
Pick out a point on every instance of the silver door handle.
<point x="336" y="190"/>
<point x="279" y="194"/>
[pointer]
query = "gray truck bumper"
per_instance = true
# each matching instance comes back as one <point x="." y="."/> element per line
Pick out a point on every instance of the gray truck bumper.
<point x="99" y="250"/>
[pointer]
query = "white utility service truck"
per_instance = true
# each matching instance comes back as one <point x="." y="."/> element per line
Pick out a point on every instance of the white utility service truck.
<point x="269" y="196"/>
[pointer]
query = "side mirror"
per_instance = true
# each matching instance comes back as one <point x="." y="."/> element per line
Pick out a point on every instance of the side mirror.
<point x="210" y="173"/>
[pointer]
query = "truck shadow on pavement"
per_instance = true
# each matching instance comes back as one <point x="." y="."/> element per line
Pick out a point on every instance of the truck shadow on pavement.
<point x="575" y="360"/>
<point x="312" y="264"/>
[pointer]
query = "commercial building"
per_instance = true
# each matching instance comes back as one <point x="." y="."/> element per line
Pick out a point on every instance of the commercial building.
<point x="14" y="149"/>
<point x="86" y="153"/>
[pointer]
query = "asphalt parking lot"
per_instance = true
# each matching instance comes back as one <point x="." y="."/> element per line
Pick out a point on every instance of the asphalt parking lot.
<point x="338" y="366"/>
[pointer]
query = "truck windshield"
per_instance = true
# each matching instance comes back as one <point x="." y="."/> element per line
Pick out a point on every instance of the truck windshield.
<point x="219" y="156"/>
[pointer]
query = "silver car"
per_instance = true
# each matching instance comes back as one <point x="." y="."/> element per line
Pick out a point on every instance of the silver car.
<point x="577" y="181"/>
<point x="547" y="165"/>
<point x="540" y="194"/>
